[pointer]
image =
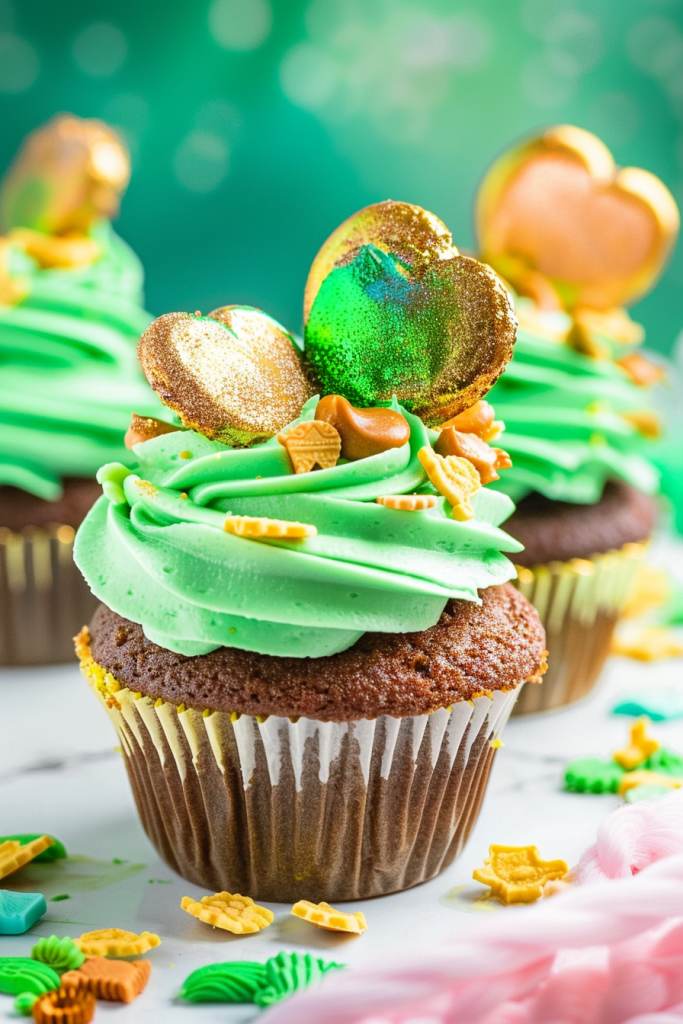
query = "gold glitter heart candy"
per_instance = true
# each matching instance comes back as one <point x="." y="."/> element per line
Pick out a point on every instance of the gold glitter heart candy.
<point x="558" y="205"/>
<point x="234" y="376"/>
<point x="69" y="173"/>
<point x="393" y="309"/>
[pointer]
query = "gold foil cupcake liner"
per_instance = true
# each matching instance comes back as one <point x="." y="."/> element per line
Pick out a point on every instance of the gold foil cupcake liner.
<point x="286" y="810"/>
<point x="579" y="603"/>
<point x="44" y="600"/>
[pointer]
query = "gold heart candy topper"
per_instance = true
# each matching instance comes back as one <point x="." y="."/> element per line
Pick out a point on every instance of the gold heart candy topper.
<point x="558" y="206"/>
<point x="235" y="376"/>
<point x="391" y="309"/>
<point x="69" y="173"/>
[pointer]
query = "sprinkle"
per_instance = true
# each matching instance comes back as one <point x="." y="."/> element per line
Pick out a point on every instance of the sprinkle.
<point x="454" y="477"/>
<point x="256" y="527"/>
<point x="310" y="444"/>
<point x="640" y="747"/>
<point x="407" y="502"/>
<point x="236" y="914"/>
<point x="116" y="942"/>
<point x="324" y="916"/>
<point x="517" y="874"/>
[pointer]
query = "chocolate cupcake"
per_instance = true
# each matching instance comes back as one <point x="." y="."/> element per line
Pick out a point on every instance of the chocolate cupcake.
<point x="307" y="643"/>
<point x="70" y="316"/>
<point x="552" y="217"/>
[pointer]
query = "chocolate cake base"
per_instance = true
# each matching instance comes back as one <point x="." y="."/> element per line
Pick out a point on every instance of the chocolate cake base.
<point x="360" y="800"/>
<point x="577" y="570"/>
<point x="43" y="596"/>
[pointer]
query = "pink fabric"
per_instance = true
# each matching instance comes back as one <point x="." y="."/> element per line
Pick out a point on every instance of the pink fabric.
<point x="607" y="952"/>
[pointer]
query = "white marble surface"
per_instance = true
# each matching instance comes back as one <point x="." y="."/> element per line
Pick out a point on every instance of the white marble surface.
<point x="59" y="773"/>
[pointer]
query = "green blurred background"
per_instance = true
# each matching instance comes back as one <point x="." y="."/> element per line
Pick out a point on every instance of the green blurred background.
<point x="256" y="126"/>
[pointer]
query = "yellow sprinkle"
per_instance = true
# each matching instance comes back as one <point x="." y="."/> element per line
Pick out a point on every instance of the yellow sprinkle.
<point x="115" y="942"/>
<point x="236" y="914"/>
<point x="643" y="777"/>
<point x="517" y="874"/>
<point x="496" y="744"/>
<point x="653" y="643"/>
<point x="324" y="916"/>
<point x="639" y="748"/>
<point x="185" y="455"/>
<point x="454" y="477"/>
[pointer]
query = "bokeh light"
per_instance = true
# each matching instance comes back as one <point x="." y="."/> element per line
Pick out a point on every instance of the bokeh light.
<point x="100" y="49"/>
<point x="19" y="63"/>
<point x="201" y="161"/>
<point x="240" y="24"/>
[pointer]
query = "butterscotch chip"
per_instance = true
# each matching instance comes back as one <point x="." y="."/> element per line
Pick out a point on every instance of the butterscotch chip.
<point x="70" y="1004"/>
<point x="119" y="981"/>
<point x="324" y="916"/>
<point x="485" y="459"/>
<point x="454" y="477"/>
<point x="236" y="914"/>
<point x="315" y="443"/>
<point x="116" y="942"/>
<point x="144" y="428"/>
<point x="259" y="526"/>
<point x="407" y="502"/>
<point x="479" y="419"/>
<point x="641" y="370"/>
<point x="13" y="855"/>
<point x="363" y="432"/>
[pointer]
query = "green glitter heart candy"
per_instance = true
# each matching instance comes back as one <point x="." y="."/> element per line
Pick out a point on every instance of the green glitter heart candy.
<point x="436" y="333"/>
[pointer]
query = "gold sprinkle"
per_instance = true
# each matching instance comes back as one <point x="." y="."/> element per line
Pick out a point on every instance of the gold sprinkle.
<point x="185" y="455"/>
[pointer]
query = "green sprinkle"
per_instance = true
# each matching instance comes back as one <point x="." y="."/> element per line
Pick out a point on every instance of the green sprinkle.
<point x="62" y="896"/>
<point x="23" y="1004"/>
<point x="592" y="775"/>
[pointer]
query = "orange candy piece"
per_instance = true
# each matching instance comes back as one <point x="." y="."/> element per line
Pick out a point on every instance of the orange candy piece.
<point x="255" y="527"/>
<point x="69" y="1004"/>
<point x="479" y="419"/>
<point x="119" y="981"/>
<point x="324" y="916"/>
<point x="407" y="502"/>
<point x="485" y="459"/>
<point x="454" y="477"/>
<point x="310" y="444"/>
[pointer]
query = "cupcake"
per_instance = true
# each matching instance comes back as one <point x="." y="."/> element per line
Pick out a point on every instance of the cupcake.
<point x="70" y="317"/>
<point x="308" y="643"/>
<point x="577" y="239"/>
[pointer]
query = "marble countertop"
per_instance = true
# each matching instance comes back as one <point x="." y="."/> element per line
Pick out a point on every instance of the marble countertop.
<point x="60" y="773"/>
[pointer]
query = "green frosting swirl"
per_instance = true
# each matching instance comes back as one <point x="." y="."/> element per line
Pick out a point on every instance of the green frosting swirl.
<point x="246" y="981"/>
<point x="154" y="548"/>
<point x="564" y="429"/>
<point x="69" y="375"/>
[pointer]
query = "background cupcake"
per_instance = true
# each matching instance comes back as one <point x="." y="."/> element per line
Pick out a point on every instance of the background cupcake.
<point x="578" y="239"/>
<point x="308" y="645"/>
<point x="70" y="314"/>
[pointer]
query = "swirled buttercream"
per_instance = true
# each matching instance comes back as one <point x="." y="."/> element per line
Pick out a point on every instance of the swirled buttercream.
<point x="69" y="375"/>
<point x="565" y="414"/>
<point x="154" y="548"/>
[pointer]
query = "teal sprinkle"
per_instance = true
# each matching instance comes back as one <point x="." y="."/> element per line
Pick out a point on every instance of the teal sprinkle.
<point x="592" y="775"/>
<point x="61" y="955"/>
<point x="20" y="974"/>
<point x="23" y="1004"/>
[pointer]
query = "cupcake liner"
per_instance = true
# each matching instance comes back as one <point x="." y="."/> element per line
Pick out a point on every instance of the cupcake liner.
<point x="579" y="603"/>
<point x="43" y="597"/>
<point x="285" y="810"/>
